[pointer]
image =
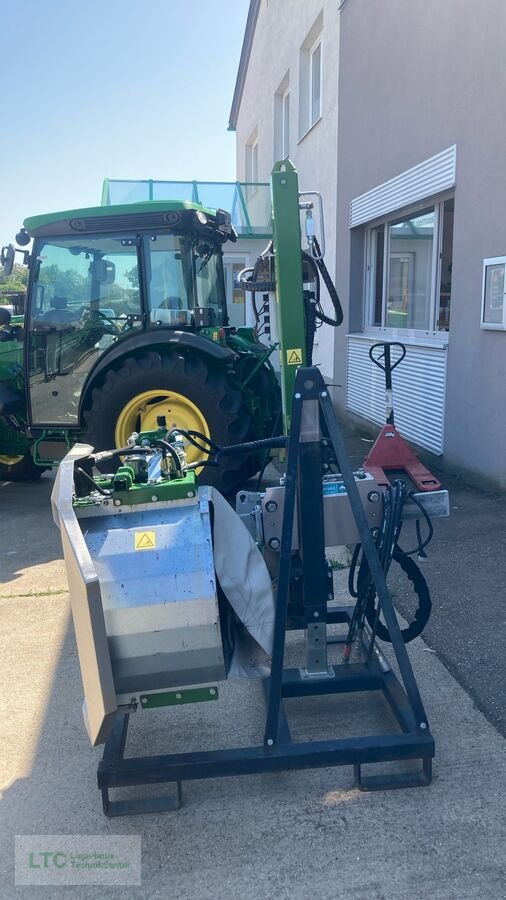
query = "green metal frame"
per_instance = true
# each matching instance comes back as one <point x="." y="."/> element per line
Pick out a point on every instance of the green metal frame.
<point x="289" y="286"/>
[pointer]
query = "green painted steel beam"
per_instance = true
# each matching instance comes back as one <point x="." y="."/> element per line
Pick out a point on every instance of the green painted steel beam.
<point x="289" y="287"/>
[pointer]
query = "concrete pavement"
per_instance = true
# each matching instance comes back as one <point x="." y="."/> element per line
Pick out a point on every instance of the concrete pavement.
<point x="292" y="835"/>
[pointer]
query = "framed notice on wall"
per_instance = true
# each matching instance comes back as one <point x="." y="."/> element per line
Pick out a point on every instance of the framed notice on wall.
<point x="493" y="308"/>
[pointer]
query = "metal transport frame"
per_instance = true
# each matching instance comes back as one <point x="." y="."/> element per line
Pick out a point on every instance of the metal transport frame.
<point x="311" y="403"/>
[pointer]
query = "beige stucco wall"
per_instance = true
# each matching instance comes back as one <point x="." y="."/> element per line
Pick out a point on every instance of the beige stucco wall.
<point x="281" y="29"/>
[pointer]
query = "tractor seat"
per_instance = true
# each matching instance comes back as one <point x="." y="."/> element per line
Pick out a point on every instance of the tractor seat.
<point x="59" y="315"/>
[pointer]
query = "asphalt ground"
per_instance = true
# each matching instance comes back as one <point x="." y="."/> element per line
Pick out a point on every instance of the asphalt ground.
<point x="289" y="835"/>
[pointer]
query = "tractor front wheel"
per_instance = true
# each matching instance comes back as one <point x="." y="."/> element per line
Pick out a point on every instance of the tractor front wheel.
<point x="188" y="393"/>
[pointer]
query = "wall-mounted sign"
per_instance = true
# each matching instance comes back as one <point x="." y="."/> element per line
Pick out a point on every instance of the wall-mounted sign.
<point x="493" y="308"/>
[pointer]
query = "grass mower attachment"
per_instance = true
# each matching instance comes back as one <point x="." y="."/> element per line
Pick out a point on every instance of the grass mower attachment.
<point x="171" y="596"/>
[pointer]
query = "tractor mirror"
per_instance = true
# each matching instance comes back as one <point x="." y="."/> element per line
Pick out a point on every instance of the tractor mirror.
<point x="7" y="259"/>
<point x="104" y="271"/>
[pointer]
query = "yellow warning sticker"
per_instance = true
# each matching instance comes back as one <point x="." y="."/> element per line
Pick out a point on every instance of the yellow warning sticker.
<point x="294" y="356"/>
<point x="145" y="540"/>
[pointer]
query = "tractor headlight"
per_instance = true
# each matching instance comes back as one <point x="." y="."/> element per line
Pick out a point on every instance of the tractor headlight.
<point x="201" y="216"/>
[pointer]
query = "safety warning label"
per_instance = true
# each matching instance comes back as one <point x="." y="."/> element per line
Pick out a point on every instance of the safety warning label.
<point x="294" y="356"/>
<point x="145" y="540"/>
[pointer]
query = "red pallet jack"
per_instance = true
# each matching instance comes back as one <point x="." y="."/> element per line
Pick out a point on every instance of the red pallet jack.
<point x="390" y="453"/>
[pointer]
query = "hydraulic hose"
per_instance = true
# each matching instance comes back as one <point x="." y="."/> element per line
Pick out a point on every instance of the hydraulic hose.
<point x="386" y="540"/>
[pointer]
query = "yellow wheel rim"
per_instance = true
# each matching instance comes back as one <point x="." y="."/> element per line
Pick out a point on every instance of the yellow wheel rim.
<point x="10" y="460"/>
<point x="142" y="411"/>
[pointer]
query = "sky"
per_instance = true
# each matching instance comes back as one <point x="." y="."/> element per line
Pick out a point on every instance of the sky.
<point x="112" y="88"/>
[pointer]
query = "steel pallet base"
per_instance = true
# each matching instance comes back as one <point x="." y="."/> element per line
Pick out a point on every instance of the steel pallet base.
<point x="413" y="743"/>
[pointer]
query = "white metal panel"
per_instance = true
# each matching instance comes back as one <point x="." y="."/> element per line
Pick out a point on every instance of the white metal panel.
<point x="418" y="385"/>
<point x="424" y="180"/>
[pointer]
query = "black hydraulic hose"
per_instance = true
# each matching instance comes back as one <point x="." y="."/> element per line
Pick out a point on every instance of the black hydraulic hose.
<point x="166" y="447"/>
<point x="310" y="308"/>
<point x="334" y="296"/>
<point x="191" y="434"/>
<point x="253" y="446"/>
<point x="388" y="549"/>
<point x="421" y="590"/>
<point x="118" y="451"/>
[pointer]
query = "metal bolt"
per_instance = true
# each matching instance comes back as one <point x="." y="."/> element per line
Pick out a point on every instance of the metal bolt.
<point x="297" y="396"/>
<point x="144" y="700"/>
<point x="323" y="394"/>
<point x="423" y="725"/>
<point x="330" y="596"/>
<point x="373" y="496"/>
<point x="271" y="506"/>
<point x="274" y="544"/>
<point x="117" y="502"/>
<point x="105" y="503"/>
<point x="212" y="691"/>
<point x="190" y="493"/>
<point x="179" y="696"/>
<point x="329" y="573"/>
<point x="154" y="498"/>
<point x="316" y="614"/>
<point x="270" y="742"/>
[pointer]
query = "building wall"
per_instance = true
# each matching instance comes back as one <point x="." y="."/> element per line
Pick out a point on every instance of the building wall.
<point x="416" y="78"/>
<point x="281" y="30"/>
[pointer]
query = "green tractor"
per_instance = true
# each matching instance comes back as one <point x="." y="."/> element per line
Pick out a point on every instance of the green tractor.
<point x="126" y="329"/>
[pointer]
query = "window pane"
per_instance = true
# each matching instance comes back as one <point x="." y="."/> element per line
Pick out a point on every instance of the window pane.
<point x="85" y="296"/>
<point x="316" y="58"/>
<point x="378" y="251"/>
<point x="494" y="294"/>
<point x="445" y="288"/>
<point x="410" y="271"/>
<point x="169" y="280"/>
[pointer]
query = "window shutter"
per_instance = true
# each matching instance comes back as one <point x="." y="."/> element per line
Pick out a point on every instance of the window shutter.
<point x="428" y="178"/>
<point x="418" y="389"/>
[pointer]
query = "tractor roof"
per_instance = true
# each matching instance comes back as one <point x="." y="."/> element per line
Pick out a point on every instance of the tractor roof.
<point x="148" y="214"/>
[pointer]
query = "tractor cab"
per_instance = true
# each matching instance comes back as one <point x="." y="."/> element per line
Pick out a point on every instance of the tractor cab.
<point x="100" y="277"/>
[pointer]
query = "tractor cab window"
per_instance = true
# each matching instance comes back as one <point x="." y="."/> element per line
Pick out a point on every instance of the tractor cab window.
<point x="183" y="273"/>
<point x="84" y="296"/>
<point x="210" y="283"/>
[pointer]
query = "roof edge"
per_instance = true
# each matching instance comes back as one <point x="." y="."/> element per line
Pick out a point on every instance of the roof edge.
<point x="249" y="33"/>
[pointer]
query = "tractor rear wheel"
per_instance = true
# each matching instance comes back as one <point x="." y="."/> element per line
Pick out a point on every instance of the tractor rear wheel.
<point x="19" y="468"/>
<point x="188" y="392"/>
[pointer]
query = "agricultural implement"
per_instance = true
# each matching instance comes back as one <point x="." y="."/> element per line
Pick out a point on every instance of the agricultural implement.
<point x="171" y="589"/>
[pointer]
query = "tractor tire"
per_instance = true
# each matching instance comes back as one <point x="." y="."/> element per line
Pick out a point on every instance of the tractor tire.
<point x="19" y="468"/>
<point x="189" y="391"/>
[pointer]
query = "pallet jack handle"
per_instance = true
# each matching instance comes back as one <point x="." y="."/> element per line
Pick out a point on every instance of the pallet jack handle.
<point x="384" y="362"/>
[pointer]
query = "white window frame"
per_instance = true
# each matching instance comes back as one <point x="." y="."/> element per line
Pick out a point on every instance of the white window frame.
<point x="251" y="167"/>
<point x="312" y="118"/>
<point x="493" y="326"/>
<point x="308" y="116"/>
<point x="285" y="125"/>
<point x="370" y="274"/>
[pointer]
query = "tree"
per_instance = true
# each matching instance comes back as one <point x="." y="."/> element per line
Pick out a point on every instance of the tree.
<point x="15" y="282"/>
